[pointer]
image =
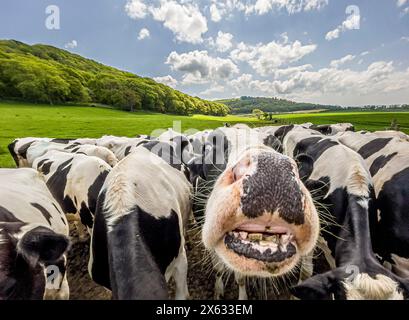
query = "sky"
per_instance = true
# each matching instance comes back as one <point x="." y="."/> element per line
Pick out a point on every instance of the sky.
<point x="322" y="51"/>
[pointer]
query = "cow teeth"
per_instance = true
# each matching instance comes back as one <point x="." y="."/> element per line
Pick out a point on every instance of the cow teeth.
<point x="243" y="234"/>
<point x="273" y="238"/>
<point x="265" y="243"/>
<point x="285" y="238"/>
<point x="255" y="236"/>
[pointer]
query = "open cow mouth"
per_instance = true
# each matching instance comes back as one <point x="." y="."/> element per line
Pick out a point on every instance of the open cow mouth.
<point x="272" y="245"/>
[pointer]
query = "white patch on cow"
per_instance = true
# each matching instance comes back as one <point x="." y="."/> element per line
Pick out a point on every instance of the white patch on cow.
<point x="120" y="145"/>
<point x="364" y="203"/>
<point x="21" y="187"/>
<point x="3" y="239"/>
<point x="363" y="287"/>
<point x="126" y="187"/>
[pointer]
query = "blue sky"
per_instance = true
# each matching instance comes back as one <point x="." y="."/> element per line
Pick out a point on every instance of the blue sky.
<point x="324" y="51"/>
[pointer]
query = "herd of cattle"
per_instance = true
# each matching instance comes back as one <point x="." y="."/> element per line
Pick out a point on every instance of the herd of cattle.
<point x="265" y="199"/>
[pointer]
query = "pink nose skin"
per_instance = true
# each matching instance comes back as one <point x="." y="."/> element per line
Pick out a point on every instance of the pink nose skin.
<point x="241" y="169"/>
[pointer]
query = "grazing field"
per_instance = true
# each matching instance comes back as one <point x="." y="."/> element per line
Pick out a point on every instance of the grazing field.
<point x="370" y="121"/>
<point x="24" y="120"/>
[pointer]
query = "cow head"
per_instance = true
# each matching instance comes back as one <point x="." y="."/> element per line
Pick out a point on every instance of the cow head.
<point x="260" y="218"/>
<point x="32" y="262"/>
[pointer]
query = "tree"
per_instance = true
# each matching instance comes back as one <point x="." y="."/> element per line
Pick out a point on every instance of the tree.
<point x="258" y="113"/>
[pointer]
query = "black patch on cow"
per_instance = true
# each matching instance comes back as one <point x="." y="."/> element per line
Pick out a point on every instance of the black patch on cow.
<point x="43" y="211"/>
<point x="41" y="162"/>
<point x="164" y="249"/>
<point x="57" y="183"/>
<point x="12" y="151"/>
<point x="71" y="146"/>
<point x="99" y="244"/>
<point x="165" y="151"/>
<point x="393" y="204"/>
<point x="273" y="187"/>
<point x="273" y="142"/>
<point x="314" y="146"/>
<point x="324" y="128"/>
<point x="86" y="215"/>
<point x="45" y="168"/>
<point x="22" y="151"/>
<point x="128" y="150"/>
<point x="63" y="221"/>
<point x="373" y="147"/>
<point x="7" y="216"/>
<point x="282" y="131"/>
<point x="380" y="162"/>
<point x="139" y="246"/>
<point x="94" y="189"/>
<point x="56" y="208"/>
<point x="75" y="149"/>
<point x="62" y="141"/>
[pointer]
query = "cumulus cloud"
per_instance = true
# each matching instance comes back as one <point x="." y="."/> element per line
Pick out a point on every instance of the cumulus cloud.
<point x="405" y="39"/>
<point x="351" y="23"/>
<point x="266" y="58"/>
<point x="71" y="45"/>
<point x="292" y="6"/>
<point x="215" y="14"/>
<point x="339" y="62"/>
<point x="379" y="78"/>
<point x="199" y="67"/>
<point x="401" y="3"/>
<point x="143" y="34"/>
<point x="167" y="80"/>
<point x="212" y="90"/>
<point x="136" y="9"/>
<point x="223" y="41"/>
<point x="184" y="20"/>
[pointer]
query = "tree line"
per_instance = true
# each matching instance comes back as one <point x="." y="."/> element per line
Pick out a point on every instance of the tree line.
<point x="45" y="74"/>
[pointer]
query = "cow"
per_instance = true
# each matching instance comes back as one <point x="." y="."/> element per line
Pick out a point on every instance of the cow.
<point x="33" y="239"/>
<point x="332" y="129"/>
<point x="342" y="185"/>
<point x="18" y="148"/>
<point x="387" y="158"/>
<point x="39" y="148"/>
<point x="122" y="146"/>
<point x="74" y="180"/>
<point x="138" y="236"/>
<point x="387" y="134"/>
<point x="259" y="219"/>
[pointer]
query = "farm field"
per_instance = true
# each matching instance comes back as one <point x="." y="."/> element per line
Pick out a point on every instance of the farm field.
<point x="23" y="120"/>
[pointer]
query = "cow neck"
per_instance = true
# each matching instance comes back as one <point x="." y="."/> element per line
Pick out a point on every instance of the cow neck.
<point x="133" y="271"/>
<point x="354" y="242"/>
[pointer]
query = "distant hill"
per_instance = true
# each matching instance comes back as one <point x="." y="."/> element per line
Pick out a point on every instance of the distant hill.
<point x="45" y="74"/>
<point x="246" y="105"/>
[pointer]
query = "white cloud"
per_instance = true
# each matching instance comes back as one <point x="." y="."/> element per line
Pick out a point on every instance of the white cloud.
<point x="401" y="3"/>
<point x="143" y="34"/>
<point x="167" y="80"/>
<point x="266" y="58"/>
<point x="405" y="39"/>
<point x="339" y="62"/>
<point x="353" y="22"/>
<point x="212" y="90"/>
<point x="223" y="41"/>
<point x="71" y="45"/>
<point x="136" y="9"/>
<point x="292" y="6"/>
<point x="184" y="20"/>
<point x="199" y="67"/>
<point x="365" y="53"/>
<point x="379" y="78"/>
<point x="215" y="14"/>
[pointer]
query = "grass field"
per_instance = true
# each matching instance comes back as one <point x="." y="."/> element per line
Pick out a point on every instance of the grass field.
<point x="24" y="120"/>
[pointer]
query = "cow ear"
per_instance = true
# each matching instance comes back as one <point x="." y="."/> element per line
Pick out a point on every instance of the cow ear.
<point x="305" y="166"/>
<point x="315" y="288"/>
<point x="42" y="244"/>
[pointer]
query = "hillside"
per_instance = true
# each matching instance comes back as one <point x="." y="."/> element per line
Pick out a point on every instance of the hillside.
<point x="246" y="105"/>
<point x="45" y="74"/>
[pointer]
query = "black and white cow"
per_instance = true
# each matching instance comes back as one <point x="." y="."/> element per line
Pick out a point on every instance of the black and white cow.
<point x="340" y="182"/>
<point x="39" y="148"/>
<point x="259" y="218"/>
<point x="18" y="148"/>
<point x="74" y="180"/>
<point x="122" y="146"/>
<point x="387" y="158"/>
<point x="33" y="238"/>
<point x="331" y="129"/>
<point x="138" y="235"/>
